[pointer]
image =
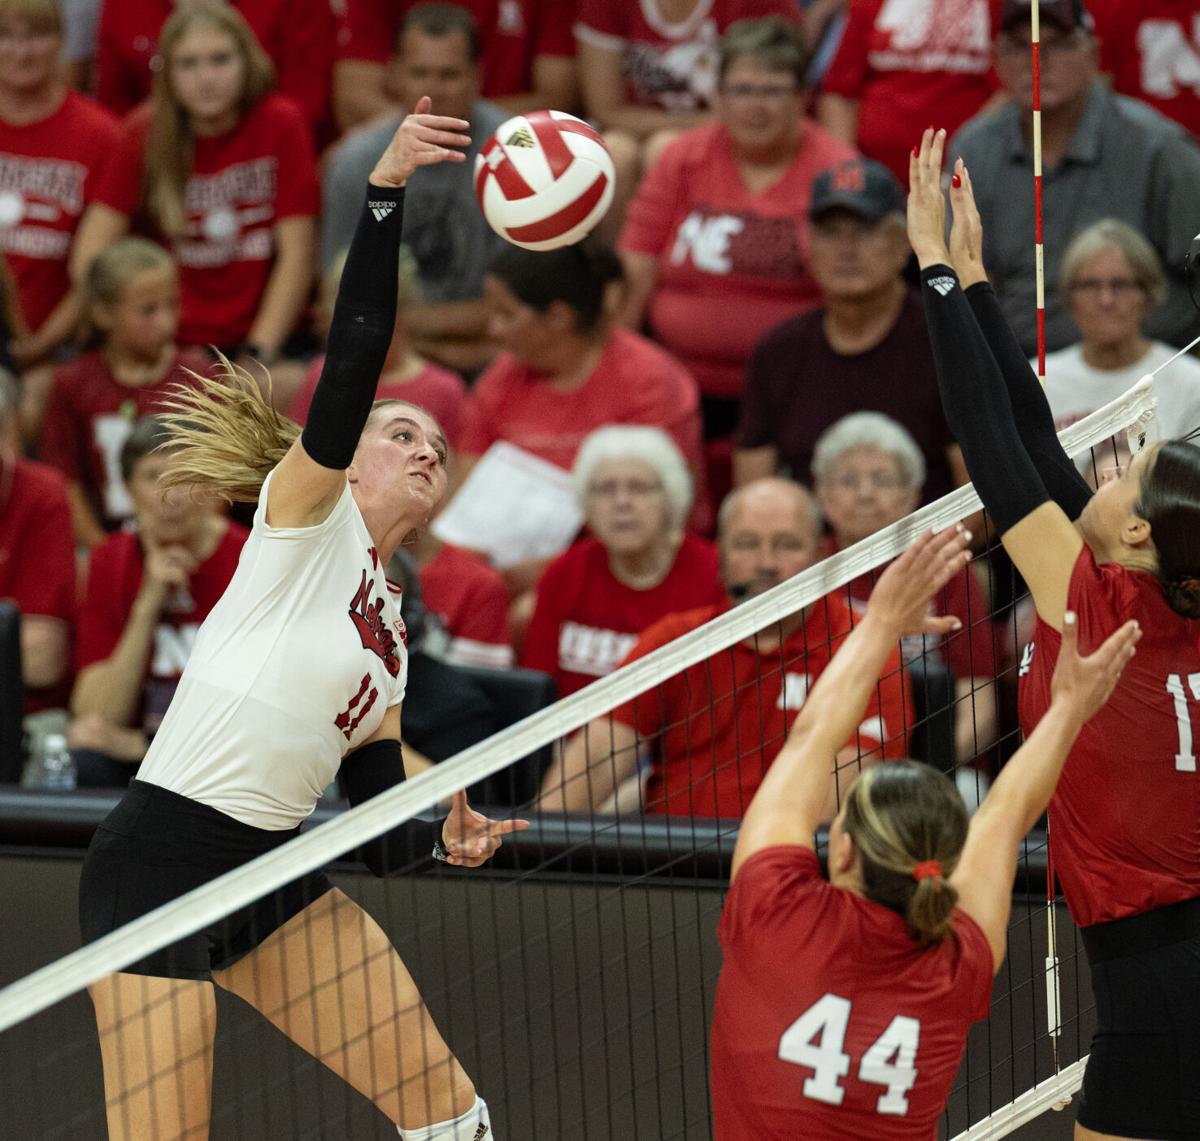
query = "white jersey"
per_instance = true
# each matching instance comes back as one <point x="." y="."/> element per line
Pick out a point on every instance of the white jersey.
<point x="293" y="668"/>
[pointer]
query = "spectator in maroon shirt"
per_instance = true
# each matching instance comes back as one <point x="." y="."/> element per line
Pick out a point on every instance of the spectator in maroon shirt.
<point x="148" y="591"/>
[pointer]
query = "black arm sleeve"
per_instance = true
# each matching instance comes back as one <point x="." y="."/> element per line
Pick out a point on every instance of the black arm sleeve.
<point x="1031" y="409"/>
<point x="976" y="403"/>
<point x="367" y="772"/>
<point x="363" y="320"/>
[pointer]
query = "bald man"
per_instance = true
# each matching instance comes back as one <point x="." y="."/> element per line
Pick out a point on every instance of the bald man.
<point x="714" y="729"/>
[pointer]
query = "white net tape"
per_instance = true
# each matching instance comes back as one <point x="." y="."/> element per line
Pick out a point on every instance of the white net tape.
<point x="1132" y="412"/>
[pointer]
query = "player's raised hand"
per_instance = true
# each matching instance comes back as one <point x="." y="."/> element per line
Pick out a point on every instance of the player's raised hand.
<point x="966" y="228"/>
<point x="902" y="596"/>
<point x="926" y="201"/>
<point x="421" y="139"/>
<point x="469" y="837"/>
<point x="1086" y="682"/>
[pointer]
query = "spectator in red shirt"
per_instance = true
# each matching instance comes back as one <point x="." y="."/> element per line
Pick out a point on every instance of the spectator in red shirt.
<point x="206" y="158"/>
<point x="894" y="74"/>
<point x="716" y="727"/>
<point x="132" y="307"/>
<point x="716" y="245"/>
<point x="298" y="35"/>
<point x="868" y="473"/>
<point x="37" y="561"/>
<point x="54" y="143"/>
<point x="638" y="564"/>
<point x="148" y="591"/>
<point x="526" y="56"/>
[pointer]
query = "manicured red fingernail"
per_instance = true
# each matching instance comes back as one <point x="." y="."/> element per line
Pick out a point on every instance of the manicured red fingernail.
<point x="956" y="182"/>
<point x="916" y="152"/>
<point x="930" y="127"/>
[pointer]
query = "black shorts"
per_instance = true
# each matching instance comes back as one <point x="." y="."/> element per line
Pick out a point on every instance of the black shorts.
<point x="157" y="845"/>
<point x="1142" y="1079"/>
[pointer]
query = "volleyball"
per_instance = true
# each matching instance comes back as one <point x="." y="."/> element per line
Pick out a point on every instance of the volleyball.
<point x="543" y="180"/>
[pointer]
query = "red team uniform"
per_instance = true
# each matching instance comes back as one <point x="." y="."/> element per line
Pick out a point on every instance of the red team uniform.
<point x="48" y="174"/>
<point x="512" y="34"/>
<point x="586" y="621"/>
<point x="731" y="264"/>
<point x="910" y="63"/>
<point x="88" y="419"/>
<point x="831" y="1021"/>
<point x="114" y="578"/>
<point x="1124" y="818"/>
<point x="470" y="600"/>
<point x="233" y="197"/>
<point x="720" y="723"/>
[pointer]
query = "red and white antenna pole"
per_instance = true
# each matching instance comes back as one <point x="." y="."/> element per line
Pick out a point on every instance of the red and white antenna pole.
<point x="1035" y="47"/>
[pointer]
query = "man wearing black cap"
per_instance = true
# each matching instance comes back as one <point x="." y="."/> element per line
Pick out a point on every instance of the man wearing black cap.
<point x="1103" y="156"/>
<point x="866" y="349"/>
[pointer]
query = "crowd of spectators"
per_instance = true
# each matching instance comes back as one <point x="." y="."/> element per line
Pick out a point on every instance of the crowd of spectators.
<point x="730" y="381"/>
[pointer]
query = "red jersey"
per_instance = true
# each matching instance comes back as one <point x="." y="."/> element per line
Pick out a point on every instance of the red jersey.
<point x="298" y="35"/>
<point x="634" y="382"/>
<point x="233" y="197"/>
<point x="512" y="34"/>
<point x="972" y="652"/>
<point x="1152" y="51"/>
<point x="831" y="1021"/>
<point x="586" y="621"/>
<point x="1123" y="820"/>
<point x="438" y="390"/>
<point x="672" y="65"/>
<point x="471" y="601"/>
<point x="720" y="723"/>
<point x="89" y="417"/>
<point x="37" y="555"/>
<point x="48" y="173"/>
<point x="910" y="63"/>
<point x="114" y="579"/>
<point x="731" y="264"/>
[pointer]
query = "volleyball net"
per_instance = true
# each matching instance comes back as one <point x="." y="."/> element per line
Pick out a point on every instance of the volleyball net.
<point x="574" y="975"/>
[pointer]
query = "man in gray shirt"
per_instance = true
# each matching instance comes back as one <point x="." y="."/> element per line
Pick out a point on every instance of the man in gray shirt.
<point x="1103" y="156"/>
<point x="437" y="55"/>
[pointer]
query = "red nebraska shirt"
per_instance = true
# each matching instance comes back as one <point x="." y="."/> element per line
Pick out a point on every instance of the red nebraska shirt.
<point x="48" y="173"/>
<point x="586" y="620"/>
<point x="1125" y="817"/>
<point x="114" y="579"/>
<point x="298" y="35"/>
<point x="513" y="33"/>
<point x="731" y="264"/>
<point x="831" y="1021"/>
<point x="241" y="184"/>
<point x="1152" y="50"/>
<point x="719" y="724"/>
<point x="471" y="600"/>
<point x="89" y="417"/>
<point x="912" y="65"/>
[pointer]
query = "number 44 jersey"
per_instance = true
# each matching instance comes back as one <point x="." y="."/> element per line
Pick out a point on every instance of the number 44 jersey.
<point x="831" y="1021"/>
<point x="1125" y="818"/>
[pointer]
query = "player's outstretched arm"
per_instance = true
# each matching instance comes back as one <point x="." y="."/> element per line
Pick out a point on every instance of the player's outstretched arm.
<point x="311" y="477"/>
<point x="790" y="802"/>
<point x="1081" y="685"/>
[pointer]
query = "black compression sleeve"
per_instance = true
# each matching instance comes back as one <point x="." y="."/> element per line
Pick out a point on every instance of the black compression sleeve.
<point x="363" y="320"/>
<point x="976" y="403"/>
<point x="1031" y="409"/>
<point x="367" y="772"/>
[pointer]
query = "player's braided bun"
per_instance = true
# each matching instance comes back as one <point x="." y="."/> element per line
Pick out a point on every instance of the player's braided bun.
<point x="1169" y="500"/>
<point x="900" y="815"/>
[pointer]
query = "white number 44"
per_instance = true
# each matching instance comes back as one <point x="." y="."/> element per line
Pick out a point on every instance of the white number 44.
<point x="1185" y="759"/>
<point x="890" y="1061"/>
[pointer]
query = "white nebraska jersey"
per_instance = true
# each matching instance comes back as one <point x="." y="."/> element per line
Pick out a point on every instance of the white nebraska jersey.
<point x="292" y="669"/>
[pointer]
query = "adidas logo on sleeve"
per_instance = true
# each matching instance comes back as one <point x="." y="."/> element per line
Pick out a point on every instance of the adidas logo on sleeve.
<point x="942" y="284"/>
<point x="381" y="209"/>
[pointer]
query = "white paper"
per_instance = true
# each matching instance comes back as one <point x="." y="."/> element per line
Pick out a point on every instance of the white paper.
<point x="513" y="506"/>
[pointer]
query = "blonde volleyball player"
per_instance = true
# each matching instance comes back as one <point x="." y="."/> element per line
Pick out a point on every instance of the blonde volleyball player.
<point x="843" y="1007"/>
<point x="299" y="670"/>
<point x="1125" y="818"/>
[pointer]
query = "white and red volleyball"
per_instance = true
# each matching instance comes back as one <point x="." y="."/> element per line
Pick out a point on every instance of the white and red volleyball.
<point x="543" y="180"/>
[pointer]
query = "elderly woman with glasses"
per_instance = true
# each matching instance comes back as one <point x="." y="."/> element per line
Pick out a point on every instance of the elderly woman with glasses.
<point x="637" y="565"/>
<point x="868" y="473"/>
<point x="1111" y="280"/>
